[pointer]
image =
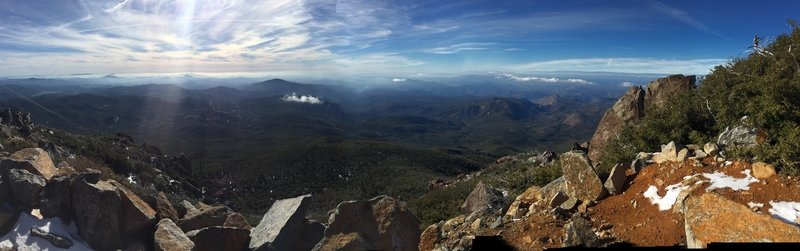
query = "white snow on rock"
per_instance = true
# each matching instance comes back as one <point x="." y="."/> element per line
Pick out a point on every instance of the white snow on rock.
<point x="666" y="202"/>
<point x="787" y="211"/>
<point x="721" y="180"/>
<point x="20" y="237"/>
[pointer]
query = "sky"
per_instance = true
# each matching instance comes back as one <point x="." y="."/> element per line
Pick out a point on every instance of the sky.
<point x="397" y="38"/>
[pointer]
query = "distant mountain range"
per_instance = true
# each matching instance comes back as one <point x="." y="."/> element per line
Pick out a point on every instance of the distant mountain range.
<point x="266" y="132"/>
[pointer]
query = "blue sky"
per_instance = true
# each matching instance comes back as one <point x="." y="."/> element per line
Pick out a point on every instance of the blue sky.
<point x="320" y="37"/>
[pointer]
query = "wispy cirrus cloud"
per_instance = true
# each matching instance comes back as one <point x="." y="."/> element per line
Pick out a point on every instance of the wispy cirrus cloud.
<point x="462" y="47"/>
<point x="316" y="36"/>
<point x="682" y="17"/>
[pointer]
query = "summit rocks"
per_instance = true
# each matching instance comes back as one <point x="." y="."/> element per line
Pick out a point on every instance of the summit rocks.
<point x="630" y="108"/>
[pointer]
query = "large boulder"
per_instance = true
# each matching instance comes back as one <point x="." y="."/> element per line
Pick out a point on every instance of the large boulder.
<point x="35" y="160"/>
<point x="25" y="187"/>
<point x="169" y="237"/>
<point x="218" y="238"/>
<point x="381" y="223"/>
<point x="484" y="197"/>
<point x="284" y="227"/>
<point x="139" y="217"/>
<point x="580" y="179"/>
<point x="661" y="90"/>
<point x="628" y="110"/>
<point x="713" y="218"/>
<point x="98" y="212"/>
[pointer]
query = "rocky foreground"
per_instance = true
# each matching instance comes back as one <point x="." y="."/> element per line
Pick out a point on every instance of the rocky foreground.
<point x="686" y="200"/>
<point x="107" y="215"/>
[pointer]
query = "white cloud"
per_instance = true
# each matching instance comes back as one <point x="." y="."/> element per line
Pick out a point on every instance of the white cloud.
<point x="302" y="99"/>
<point x="462" y="47"/>
<point x="399" y="80"/>
<point x="626" y="65"/>
<point x="545" y="80"/>
<point x="626" y="84"/>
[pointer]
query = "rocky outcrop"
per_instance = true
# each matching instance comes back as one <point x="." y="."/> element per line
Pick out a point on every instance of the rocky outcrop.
<point x="580" y="179"/>
<point x="169" y="237"/>
<point x="284" y="227"/>
<point x="713" y="218"/>
<point x="25" y="187"/>
<point x="661" y="90"/>
<point x="381" y="223"/>
<point x="628" y="110"/>
<point x="483" y="197"/>
<point x="35" y="160"/>
<point x="219" y="239"/>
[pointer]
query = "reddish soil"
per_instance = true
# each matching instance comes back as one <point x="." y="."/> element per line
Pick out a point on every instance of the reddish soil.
<point x="538" y="231"/>
<point x="644" y="225"/>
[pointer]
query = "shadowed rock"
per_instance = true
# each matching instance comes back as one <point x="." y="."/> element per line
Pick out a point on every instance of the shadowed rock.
<point x="381" y="223"/>
<point x="219" y="239"/>
<point x="284" y="227"/>
<point x="483" y="197"/>
<point x="25" y="187"/>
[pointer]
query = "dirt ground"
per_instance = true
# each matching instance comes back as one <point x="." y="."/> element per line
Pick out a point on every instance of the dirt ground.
<point x="637" y="221"/>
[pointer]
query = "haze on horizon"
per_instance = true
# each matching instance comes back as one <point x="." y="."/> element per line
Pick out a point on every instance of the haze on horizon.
<point x="342" y="37"/>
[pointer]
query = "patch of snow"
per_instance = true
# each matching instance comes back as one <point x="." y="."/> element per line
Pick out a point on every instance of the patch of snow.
<point x="755" y="205"/>
<point x="666" y="202"/>
<point x="721" y="180"/>
<point x="20" y="234"/>
<point x="787" y="211"/>
<point x="131" y="178"/>
<point x="727" y="163"/>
